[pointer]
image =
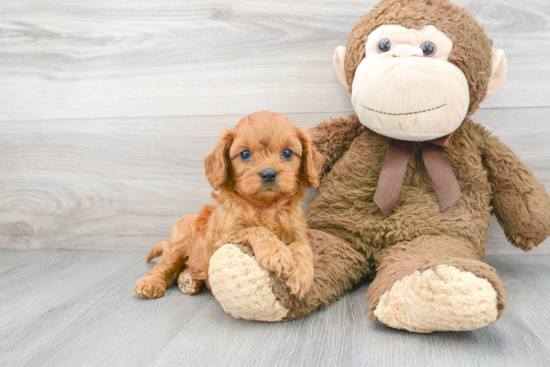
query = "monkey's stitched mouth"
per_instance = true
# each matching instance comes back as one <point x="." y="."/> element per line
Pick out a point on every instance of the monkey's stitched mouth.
<point x="406" y="113"/>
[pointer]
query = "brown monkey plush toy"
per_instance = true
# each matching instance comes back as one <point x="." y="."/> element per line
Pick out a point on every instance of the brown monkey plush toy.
<point x="408" y="184"/>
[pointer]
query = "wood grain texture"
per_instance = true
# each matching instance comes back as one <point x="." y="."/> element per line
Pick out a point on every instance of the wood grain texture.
<point x="107" y="59"/>
<point x="123" y="183"/>
<point x="98" y="166"/>
<point x="76" y="308"/>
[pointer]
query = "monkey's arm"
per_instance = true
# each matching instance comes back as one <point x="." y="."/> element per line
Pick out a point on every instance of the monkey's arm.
<point x="520" y="202"/>
<point x="333" y="138"/>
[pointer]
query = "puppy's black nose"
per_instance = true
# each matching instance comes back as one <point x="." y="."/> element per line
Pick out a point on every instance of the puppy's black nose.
<point x="268" y="175"/>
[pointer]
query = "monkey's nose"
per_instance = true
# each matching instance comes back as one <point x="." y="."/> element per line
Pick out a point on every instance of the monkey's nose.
<point x="406" y="51"/>
<point x="268" y="175"/>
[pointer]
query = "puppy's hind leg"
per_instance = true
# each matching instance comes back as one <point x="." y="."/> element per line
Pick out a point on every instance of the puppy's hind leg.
<point x="175" y="251"/>
<point x="160" y="277"/>
<point x="157" y="250"/>
<point x="187" y="284"/>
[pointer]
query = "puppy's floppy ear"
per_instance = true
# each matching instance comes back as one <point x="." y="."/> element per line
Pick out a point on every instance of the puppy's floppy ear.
<point x="312" y="161"/>
<point x="216" y="164"/>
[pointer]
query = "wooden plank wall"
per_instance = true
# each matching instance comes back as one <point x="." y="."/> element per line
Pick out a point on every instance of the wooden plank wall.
<point x="107" y="108"/>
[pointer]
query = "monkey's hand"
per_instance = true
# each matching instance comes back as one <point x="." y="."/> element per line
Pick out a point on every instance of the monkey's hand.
<point x="520" y="201"/>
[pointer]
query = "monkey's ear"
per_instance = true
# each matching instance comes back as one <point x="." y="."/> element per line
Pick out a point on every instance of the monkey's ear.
<point x="216" y="164"/>
<point x="498" y="72"/>
<point x="312" y="161"/>
<point x="338" y="61"/>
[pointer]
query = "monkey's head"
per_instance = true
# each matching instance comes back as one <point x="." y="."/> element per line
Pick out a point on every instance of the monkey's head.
<point x="417" y="68"/>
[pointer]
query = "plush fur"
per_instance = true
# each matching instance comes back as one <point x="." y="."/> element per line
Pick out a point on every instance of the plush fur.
<point x="427" y="237"/>
<point x="353" y="239"/>
<point x="264" y="215"/>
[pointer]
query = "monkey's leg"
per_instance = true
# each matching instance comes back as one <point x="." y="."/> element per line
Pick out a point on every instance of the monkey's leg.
<point x="245" y="290"/>
<point x="435" y="283"/>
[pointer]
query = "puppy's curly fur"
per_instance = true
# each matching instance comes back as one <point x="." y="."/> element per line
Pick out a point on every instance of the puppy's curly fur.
<point x="262" y="212"/>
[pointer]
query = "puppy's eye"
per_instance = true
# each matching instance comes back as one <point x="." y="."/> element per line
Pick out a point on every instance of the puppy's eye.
<point x="287" y="153"/>
<point x="384" y="45"/>
<point x="246" y="155"/>
<point x="428" y="48"/>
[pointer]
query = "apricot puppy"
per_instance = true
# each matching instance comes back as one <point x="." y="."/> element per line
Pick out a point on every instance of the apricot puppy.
<point x="259" y="171"/>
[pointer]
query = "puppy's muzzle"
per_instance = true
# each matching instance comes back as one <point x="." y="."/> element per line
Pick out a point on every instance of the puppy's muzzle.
<point x="268" y="175"/>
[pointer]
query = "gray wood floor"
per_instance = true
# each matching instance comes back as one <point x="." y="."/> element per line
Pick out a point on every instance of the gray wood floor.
<point x="76" y="308"/>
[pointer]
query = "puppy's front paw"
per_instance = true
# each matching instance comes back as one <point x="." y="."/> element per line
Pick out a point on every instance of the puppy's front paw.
<point x="301" y="279"/>
<point x="150" y="288"/>
<point x="277" y="259"/>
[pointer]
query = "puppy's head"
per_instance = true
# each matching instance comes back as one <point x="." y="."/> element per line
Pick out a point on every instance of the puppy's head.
<point x="264" y="158"/>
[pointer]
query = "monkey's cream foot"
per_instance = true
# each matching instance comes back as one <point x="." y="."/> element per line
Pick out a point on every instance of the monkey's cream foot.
<point x="440" y="299"/>
<point x="246" y="290"/>
<point x="150" y="287"/>
<point x="242" y="287"/>
<point x="435" y="283"/>
<point x="187" y="284"/>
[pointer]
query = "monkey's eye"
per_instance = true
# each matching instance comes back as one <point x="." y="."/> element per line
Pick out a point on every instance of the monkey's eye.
<point x="246" y="155"/>
<point x="384" y="45"/>
<point x="287" y="153"/>
<point x="428" y="49"/>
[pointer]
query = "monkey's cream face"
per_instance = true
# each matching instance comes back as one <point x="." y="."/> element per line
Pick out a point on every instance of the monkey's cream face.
<point x="405" y="88"/>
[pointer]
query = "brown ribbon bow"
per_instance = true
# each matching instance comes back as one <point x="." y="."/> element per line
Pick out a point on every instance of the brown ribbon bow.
<point x="393" y="172"/>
